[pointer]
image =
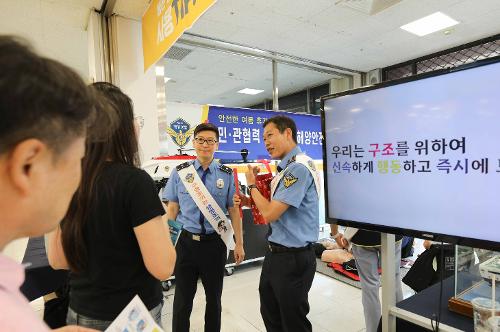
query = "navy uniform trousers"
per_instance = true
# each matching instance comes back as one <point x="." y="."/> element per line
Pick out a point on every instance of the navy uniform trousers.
<point x="204" y="259"/>
<point x="285" y="282"/>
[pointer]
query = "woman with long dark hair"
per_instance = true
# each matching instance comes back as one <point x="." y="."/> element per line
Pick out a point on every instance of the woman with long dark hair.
<point x="113" y="238"/>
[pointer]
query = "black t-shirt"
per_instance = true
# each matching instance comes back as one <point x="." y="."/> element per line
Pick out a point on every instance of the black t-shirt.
<point x="126" y="197"/>
<point x="369" y="238"/>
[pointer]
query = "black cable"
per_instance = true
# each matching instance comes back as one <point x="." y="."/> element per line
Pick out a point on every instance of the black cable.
<point x="441" y="277"/>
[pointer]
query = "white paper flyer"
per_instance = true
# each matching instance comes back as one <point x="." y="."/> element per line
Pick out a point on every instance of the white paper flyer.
<point x="134" y="318"/>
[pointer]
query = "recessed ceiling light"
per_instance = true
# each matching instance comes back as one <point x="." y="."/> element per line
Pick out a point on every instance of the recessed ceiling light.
<point x="429" y="24"/>
<point x="248" y="91"/>
<point x="160" y="70"/>
<point x="448" y="31"/>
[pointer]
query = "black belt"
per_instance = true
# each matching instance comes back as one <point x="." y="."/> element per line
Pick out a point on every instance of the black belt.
<point x="199" y="237"/>
<point x="278" y="248"/>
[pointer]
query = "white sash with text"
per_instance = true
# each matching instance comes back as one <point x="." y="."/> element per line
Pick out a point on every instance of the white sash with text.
<point x="308" y="163"/>
<point x="207" y="205"/>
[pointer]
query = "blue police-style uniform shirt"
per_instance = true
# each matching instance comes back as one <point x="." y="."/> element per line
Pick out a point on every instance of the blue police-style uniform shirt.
<point x="299" y="224"/>
<point x="189" y="214"/>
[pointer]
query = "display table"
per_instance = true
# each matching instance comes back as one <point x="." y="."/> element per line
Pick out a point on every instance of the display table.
<point x="425" y="304"/>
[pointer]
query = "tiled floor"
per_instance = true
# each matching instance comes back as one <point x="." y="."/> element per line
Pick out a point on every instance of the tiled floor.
<point x="335" y="306"/>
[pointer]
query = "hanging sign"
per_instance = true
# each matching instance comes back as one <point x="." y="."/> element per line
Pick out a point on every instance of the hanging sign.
<point x="164" y="22"/>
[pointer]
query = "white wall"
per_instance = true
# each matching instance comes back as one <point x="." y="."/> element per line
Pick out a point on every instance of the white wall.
<point x="55" y="28"/>
<point x="139" y="85"/>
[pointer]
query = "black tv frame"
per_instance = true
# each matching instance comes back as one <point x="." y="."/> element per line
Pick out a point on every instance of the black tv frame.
<point x="464" y="241"/>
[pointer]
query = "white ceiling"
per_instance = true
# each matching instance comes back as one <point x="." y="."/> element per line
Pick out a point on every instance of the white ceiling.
<point x="212" y="77"/>
<point x="330" y="31"/>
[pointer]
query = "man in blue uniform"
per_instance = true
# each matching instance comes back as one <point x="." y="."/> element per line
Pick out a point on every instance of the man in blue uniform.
<point x="199" y="194"/>
<point x="293" y="215"/>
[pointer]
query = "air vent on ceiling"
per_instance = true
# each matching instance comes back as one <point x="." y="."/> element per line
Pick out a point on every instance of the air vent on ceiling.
<point x="370" y="7"/>
<point x="177" y="53"/>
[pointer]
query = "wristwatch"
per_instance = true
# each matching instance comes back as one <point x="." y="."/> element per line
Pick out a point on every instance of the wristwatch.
<point x="250" y="187"/>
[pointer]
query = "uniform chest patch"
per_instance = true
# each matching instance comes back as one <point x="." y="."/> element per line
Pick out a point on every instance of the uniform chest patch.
<point x="220" y="183"/>
<point x="289" y="180"/>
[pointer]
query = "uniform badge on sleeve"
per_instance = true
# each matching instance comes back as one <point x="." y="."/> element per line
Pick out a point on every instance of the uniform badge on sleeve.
<point x="220" y="183"/>
<point x="289" y="180"/>
<point x="189" y="177"/>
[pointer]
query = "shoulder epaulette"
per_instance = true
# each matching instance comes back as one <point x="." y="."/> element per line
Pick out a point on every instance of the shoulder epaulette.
<point x="182" y="166"/>
<point x="226" y="169"/>
<point x="292" y="160"/>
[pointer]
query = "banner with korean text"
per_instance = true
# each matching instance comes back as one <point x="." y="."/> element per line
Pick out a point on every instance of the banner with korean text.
<point x="164" y="22"/>
<point x="242" y="128"/>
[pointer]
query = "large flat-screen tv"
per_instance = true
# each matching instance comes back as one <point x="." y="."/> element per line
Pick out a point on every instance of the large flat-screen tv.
<point x="419" y="156"/>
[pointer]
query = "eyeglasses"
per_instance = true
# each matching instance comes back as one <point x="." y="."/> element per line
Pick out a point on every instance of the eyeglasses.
<point x="209" y="141"/>
<point x="140" y="121"/>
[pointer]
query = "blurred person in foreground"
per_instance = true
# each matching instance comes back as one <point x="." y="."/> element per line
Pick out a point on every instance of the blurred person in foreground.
<point x="45" y="109"/>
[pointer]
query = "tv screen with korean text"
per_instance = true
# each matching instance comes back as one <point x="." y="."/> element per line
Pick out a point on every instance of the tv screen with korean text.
<point x="418" y="156"/>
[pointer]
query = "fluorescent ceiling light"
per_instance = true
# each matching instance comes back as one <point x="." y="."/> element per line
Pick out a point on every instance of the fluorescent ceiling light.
<point x="166" y="79"/>
<point x="429" y="24"/>
<point x="248" y="91"/>
<point x="160" y="70"/>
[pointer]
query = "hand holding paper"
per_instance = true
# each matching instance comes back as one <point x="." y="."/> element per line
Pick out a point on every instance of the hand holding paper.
<point x="175" y="230"/>
<point x="134" y="318"/>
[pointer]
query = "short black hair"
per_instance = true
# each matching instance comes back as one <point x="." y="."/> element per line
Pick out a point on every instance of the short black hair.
<point x="205" y="127"/>
<point x="40" y="98"/>
<point x="282" y="122"/>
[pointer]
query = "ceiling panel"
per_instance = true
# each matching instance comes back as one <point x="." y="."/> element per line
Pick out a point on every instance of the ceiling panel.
<point x="350" y="30"/>
<point x="218" y="76"/>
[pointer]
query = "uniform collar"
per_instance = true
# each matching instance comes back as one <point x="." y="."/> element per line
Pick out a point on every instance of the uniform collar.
<point x="211" y="167"/>
<point x="285" y="161"/>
